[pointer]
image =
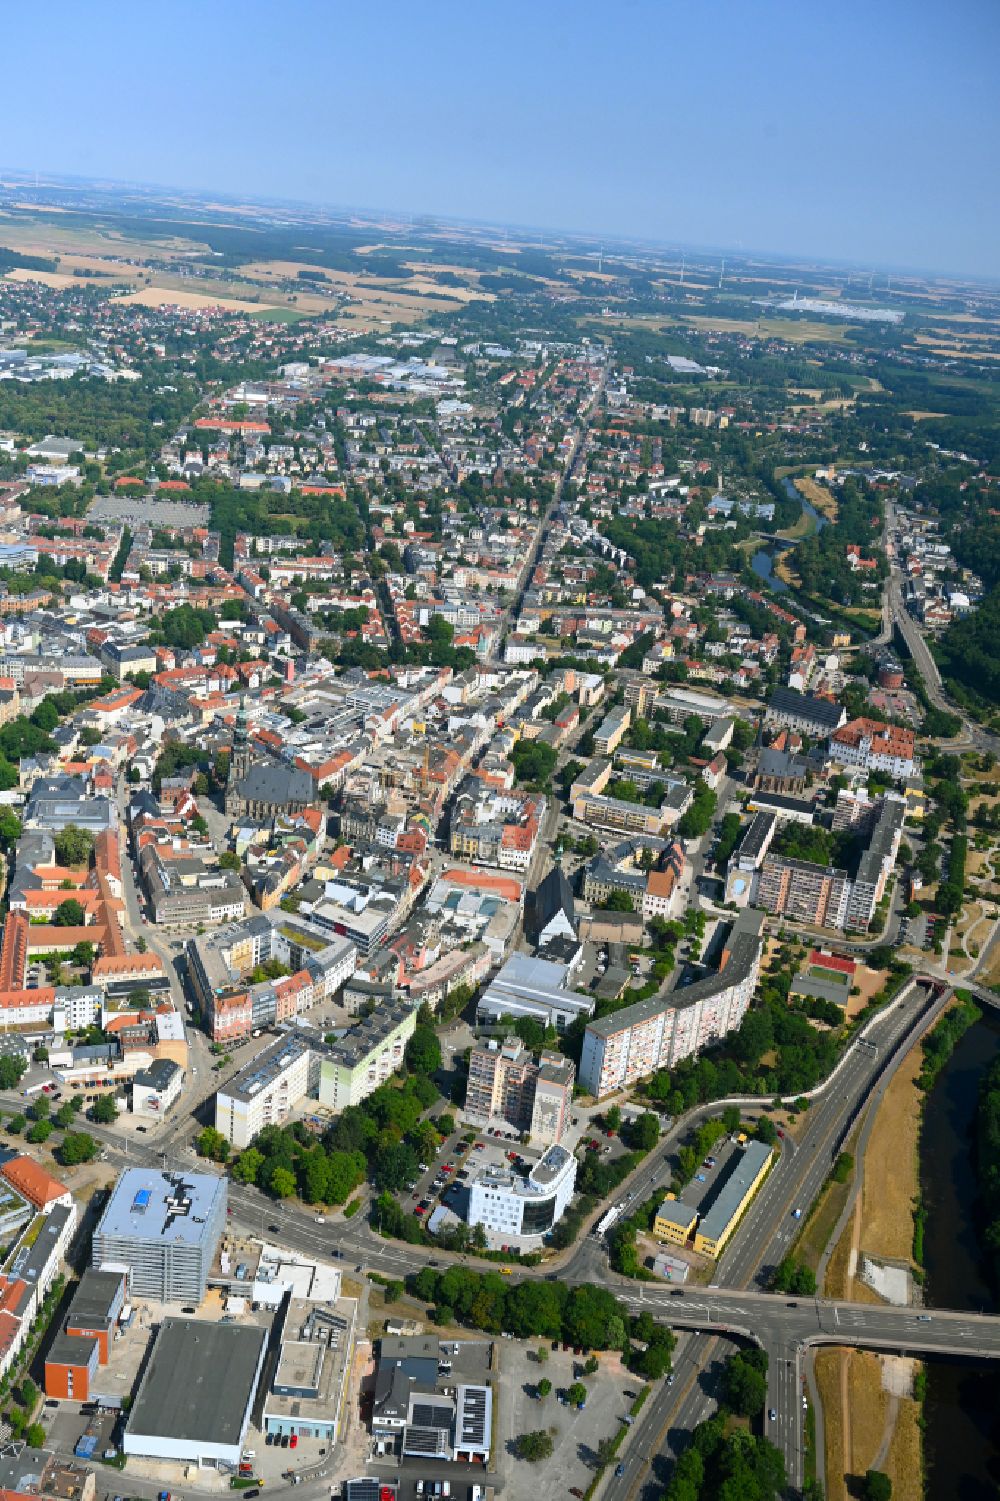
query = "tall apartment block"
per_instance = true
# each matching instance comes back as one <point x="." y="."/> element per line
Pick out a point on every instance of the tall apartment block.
<point x="659" y="1032"/>
<point x="506" y="1083"/>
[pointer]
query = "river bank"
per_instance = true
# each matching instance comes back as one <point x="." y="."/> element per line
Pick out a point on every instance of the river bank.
<point x="765" y="561"/>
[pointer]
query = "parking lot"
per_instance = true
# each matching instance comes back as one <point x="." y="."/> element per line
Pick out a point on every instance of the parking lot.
<point x="705" y="1179"/>
<point x="447" y="1167"/>
<point x="575" y="1432"/>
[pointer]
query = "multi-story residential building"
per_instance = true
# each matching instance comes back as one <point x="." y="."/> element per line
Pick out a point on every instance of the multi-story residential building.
<point x="623" y="817"/>
<point x="805" y="892"/>
<point x="507" y="1203"/>
<point x="265" y="1091"/>
<point x="611" y="732"/>
<point x="506" y="1083"/>
<point x="220" y="966"/>
<point x="495" y="828"/>
<point x="366" y="1057"/>
<point x="658" y="1032"/>
<point x="825" y="896"/>
<point x="876" y="863"/>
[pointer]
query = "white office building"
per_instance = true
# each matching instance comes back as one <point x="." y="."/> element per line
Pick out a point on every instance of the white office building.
<point x="506" y="1203"/>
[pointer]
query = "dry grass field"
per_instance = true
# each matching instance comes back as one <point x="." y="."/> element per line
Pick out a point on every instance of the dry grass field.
<point x="56" y="279"/>
<point x="859" y="1416"/>
<point x="157" y="296"/>
<point x="891" y="1170"/>
<point x="819" y="496"/>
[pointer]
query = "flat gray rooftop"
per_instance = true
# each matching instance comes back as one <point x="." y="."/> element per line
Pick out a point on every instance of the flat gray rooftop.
<point x="199" y="1382"/>
<point x="147" y="1204"/>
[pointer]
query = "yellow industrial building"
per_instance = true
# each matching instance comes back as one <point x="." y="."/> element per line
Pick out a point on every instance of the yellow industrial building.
<point x="674" y="1221"/>
<point x="724" y="1214"/>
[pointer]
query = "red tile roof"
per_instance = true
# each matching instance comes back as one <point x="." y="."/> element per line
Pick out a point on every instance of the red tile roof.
<point x="37" y="1186"/>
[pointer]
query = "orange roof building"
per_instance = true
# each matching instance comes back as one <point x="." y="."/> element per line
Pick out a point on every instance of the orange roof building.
<point x="34" y="1183"/>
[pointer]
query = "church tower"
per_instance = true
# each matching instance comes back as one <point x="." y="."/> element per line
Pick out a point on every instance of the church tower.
<point x="240" y="757"/>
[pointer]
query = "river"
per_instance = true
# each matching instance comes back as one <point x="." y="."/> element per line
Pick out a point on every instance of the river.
<point x="962" y="1408"/>
<point x="762" y="561"/>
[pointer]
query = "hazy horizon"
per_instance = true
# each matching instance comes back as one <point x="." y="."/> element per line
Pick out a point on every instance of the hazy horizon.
<point x="861" y="139"/>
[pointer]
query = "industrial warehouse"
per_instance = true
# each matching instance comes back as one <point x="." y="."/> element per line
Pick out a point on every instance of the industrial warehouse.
<point x="263" y="1335"/>
<point x="709" y="1226"/>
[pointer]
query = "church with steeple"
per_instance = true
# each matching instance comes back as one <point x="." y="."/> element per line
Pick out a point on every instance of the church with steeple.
<point x="260" y="787"/>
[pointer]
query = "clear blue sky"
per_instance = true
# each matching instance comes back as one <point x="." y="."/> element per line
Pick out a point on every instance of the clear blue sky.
<point x="867" y="131"/>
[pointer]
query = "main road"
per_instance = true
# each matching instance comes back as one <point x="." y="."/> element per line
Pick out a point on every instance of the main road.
<point x="898" y="615"/>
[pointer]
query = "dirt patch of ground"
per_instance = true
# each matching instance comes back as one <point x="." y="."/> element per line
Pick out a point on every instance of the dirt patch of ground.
<point x="869" y="982"/>
<point x="890" y="1185"/>
<point x="783" y="568"/>
<point x="905" y="1461"/>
